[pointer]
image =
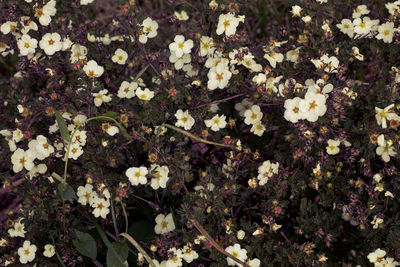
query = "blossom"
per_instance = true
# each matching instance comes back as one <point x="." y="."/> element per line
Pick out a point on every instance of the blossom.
<point x="376" y="256"/>
<point x="101" y="97"/>
<point x="293" y="55"/>
<point x="362" y="26"/>
<point x="243" y="106"/>
<point x="86" y="194"/>
<point x="45" y="13"/>
<point x="85" y="2"/>
<point x="257" y="128"/>
<point x="359" y="11"/>
<point x="218" y="77"/>
<point x="18" y="230"/>
<point x="120" y="56"/>
<point x="385" y="148"/>
<point x="333" y="147"/>
<point x="384" y="114"/>
<point x="78" y="52"/>
<point x="253" y="115"/>
<point x="274" y="58"/>
<point x="292" y="110"/>
<point x="27" y="252"/>
<point x="127" y="89"/>
<point x="27" y="25"/>
<point x="22" y="159"/>
<point x="145" y="94"/>
<point x="164" y="224"/>
<point x="181" y="15"/>
<point x="137" y="175"/>
<point x="50" y="43"/>
<point x="206" y="46"/>
<point x="26" y="45"/>
<point x="49" y="251"/>
<point x="149" y="30"/>
<point x="180" y="46"/>
<point x="75" y="151"/>
<point x="188" y="254"/>
<point x="386" y="31"/>
<point x="266" y="171"/>
<point x="160" y="176"/>
<point x="110" y="129"/>
<point x="296" y="11"/>
<point x="174" y="258"/>
<point x="43" y="148"/>
<point x="216" y="123"/>
<point x="100" y="206"/>
<point x="185" y="120"/>
<point x="92" y="69"/>
<point x="346" y="26"/>
<point x="237" y="252"/>
<point x="227" y="23"/>
<point x="313" y="106"/>
<point x="179" y="61"/>
<point x="356" y="53"/>
<point x="8" y="26"/>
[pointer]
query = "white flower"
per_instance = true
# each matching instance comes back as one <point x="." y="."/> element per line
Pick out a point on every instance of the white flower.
<point x="240" y="234"/>
<point x="49" y="251"/>
<point x="253" y="115"/>
<point x="26" y="45"/>
<point x="27" y="25"/>
<point x="179" y="61"/>
<point x="393" y="7"/>
<point x="86" y="194"/>
<point x="376" y="222"/>
<point x="51" y="43"/>
<point x="80" y="137"/>
<point x="78" y="52"/>
<point x="181" y="15"/>
<point x="145" y="94"/>
<point x="66" y="44"/>
<point x="120" y="56"/>
<point x="306" y="19"/>
<point x="243" y="106"/>
<point x="18" y="230"/>
<point x="27" y="252"/>
<point x="274" y="58"/>
<point x="43" y="148"/>
<point x="206" y="46"/>
<point x="346" y="26"/>
<point x="386" y="31"/>
<point x="92" y="69"/>
<point x="164" y="224"/>
<point x="376" y="256"/>
<point x="216" y="123"/>
<point x="385" y="148"/>
<point x="180" y="46"/>
<point x="237" y="252"/>
<point x="149" y="30"/>
<point x="384" y="114"/>
<point x="45" y="13"/>
<point x="8" y="26"/>
<point x="101" y="97"/>
<point x="110" y="129"/>
<point x="313" y="106"/>
<point x="218" y="77"/>
<point x="293" y="55"/>
<point x="257" y="128"/>
<point x="188" y="253"/>
<point x="160" y="176"/>
<point x="137" y="175"/>
<point x="333" y="147"/>
<point x="319" y="87"/>
<point x="292" y="110"/>
<point x="362" y="26"/>
<point x="359" y="11"/>
<point x="100" y="206"/>
<point x="330" y="63"/>
<point x="86" y="2"/>
<point x="75" y="151"/>
<point x="127" y="89"/>
<point x="296" y="10"/>
<point x="38" y="169"/>
<point x="227" y="23"/>
<point x="185" y="120"/>
<point x="22" y="159"/>
<point x="267" y="170"/>
<point x="174" y="258"/>
<point x="356" y="53"/>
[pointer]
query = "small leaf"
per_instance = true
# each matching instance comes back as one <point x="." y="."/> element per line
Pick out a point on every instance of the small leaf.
<point x="66" y="191"/>
<point x="85" y="244"/>
<point x="111" y="114"/>
<point x="121" y="249"/>
<point x="62" y="125"/>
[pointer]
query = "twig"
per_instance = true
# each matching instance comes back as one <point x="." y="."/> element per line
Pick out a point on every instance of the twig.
<point x="139" y="248"/>
<point x="213" y="242"/>
<point x="57" y="177"/>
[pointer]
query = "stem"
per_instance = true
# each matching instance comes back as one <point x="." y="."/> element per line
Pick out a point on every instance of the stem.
<point x="126" y="217"/>
<point x="113" y="217"/>
<point x="139" y="248"/>
<point x="58" y="256"/>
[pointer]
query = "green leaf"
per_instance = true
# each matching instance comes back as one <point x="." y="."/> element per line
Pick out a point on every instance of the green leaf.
<point x="85" y="244"/>
<point x="62" y="125"/>
<point x="121" y="249"/>
<point x="118" y="262"/>
<point x="111" y="114"/>
<point x="66" y="191"/>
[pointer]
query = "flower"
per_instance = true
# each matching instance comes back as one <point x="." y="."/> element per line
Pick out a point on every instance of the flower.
<point x="149" y="30"/>
<point x="243" y="106"/>
<point x="22" y="159"/>
<point x="362" y="26"/>
<point x="296" y="10"/>
<point x="160" y="176"/>
<point x="100" y="206"/>
<point x="174" y="258"/>
<point x="49" y="251"/>
<point x="110" y="129"/>
<point x="267" y="170"/>
<point x="313" y="106"/>
<point x="92" y="69"/>
<point x="127" y="89"/>
<point x="227" y="23"/>
<point x="86" y="194"/>
<point x="26" y="45"/>
<point x="43" y="148"/>
<point x="386" y="31"/>
<point x="240" y="234"/>
<point x="376" y="256"/>
<point x="27" y="252"/>
<point x="145" y="94"/>
<point x="18" y="230"/>
<point x="206" y="46"/>
<point x="216" y="123"/>
<point x="120" y="56"/>
<point x="333" y="147"/>
<point x="8" y="26"/>
<point x="237" y="252"/>
<point x="78" y="52"/>
<point x="293" y="55"/>
<point x="50" y="43"/>
<point x="185" y="120"/>
<point x="253" y="115"/>
<point x="258" y="128"/>
<point x="164" y="224"/>
<point x="218" y="77"/>
<point x="179" y="61"/>
<point x="359" y="11"/>
<point x="274" y="58"/>
<point x="75" y="151"/>
<point x="137" y="175"/>
<point x="384" y="114"/>
<point x="180" y="46"/>
<point x="346" y="26"/>
<point x="385" y="148"/>
<point x="292" y="110"/>
<point x="188" y="254"/>
<point x="45" y="13"/>
<point x="101" y="97"/>
<point x="85" y="2"/>
<point x="181" y="15"/>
